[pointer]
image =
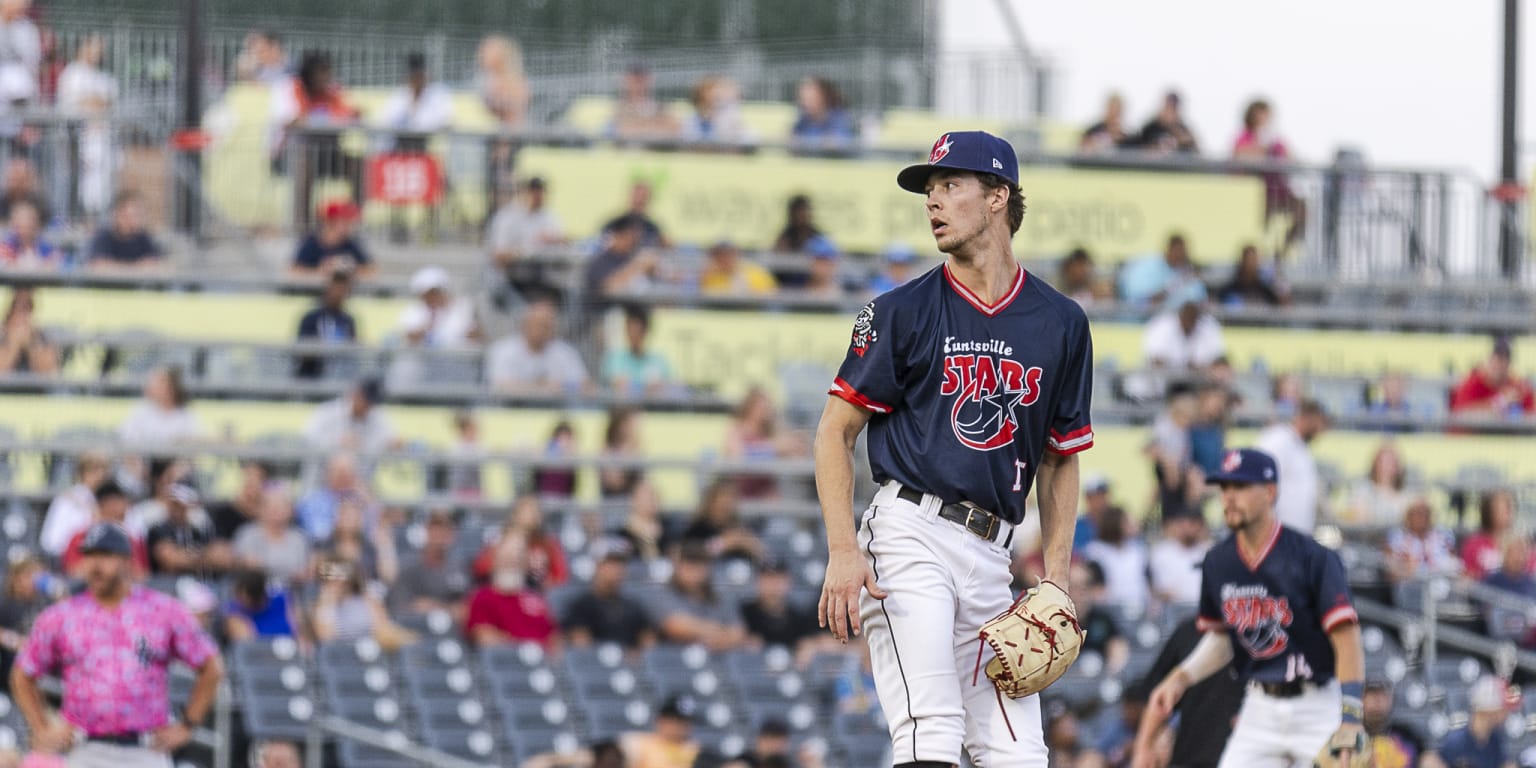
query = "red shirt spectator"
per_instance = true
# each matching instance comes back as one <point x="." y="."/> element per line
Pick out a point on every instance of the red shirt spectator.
<point x="1481" y="553"/>
<point x="71" y="557"/>
<point x="498" y="617"/>
<point x="1493" y="389"/>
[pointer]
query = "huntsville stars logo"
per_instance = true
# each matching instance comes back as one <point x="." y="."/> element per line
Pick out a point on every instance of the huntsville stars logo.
<point x="940" y="149"/>
<point x="988" y="389"/>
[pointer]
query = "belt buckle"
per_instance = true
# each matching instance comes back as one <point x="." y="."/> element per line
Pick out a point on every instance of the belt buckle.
<point x="991" y="521"/>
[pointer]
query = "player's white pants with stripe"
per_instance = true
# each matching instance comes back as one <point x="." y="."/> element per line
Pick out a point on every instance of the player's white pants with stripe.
<point x="94" y="754"/>
<point x="1278" y="733"/>
<point x="943" y="583"/>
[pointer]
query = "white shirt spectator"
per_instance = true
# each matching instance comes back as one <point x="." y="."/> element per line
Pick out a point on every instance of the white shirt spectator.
<point x="1165" y="342"/>
<point x="517" y="230"/>
<point x="1125" y="571"/>
<point x="1433" y="555"/>
<point x="1300" y="483"/>
<point x="149" y="426"/>
<point x="21" y="54"/>
<point x="332" y="428"/>
<point x="1175" y="569"/>
<point x="433" y="111"/>
<point x="69" y="513"/>
<point x="82" y="86"/>
<point x="450" y="326"/>
<point x="511" y="364"/>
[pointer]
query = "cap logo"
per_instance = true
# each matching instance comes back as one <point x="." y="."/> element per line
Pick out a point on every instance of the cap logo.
<point x="940" y="149"/>
<point x="997" y="164"/>
<point x="1231" y="461"/>
<point x="94" y="536"/>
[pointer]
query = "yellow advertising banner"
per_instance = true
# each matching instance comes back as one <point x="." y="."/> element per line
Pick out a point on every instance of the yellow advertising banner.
<point x="700" y="198"/>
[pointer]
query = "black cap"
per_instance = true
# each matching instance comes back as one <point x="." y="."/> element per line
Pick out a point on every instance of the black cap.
<point x="536" y="182"/>
<point x="106" y="539"/>
<point x="679" y="708"/>
<point x="694" y="550"/>
<point x="110" y="489"/>
<point x="416" y="61"/>
<point x="773" y="726"/>
<point x="372" y="389"/>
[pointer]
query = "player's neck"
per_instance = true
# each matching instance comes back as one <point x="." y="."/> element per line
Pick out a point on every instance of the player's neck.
<point x="1255" y="536"/>
<point x="988" y="271"/>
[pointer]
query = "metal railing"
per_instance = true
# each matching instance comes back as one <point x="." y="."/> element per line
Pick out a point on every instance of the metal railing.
<point x="321" y="726"/>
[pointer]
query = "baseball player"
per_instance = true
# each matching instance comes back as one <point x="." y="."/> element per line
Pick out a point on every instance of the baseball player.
<point x="974" y="381"/>
<point x="113" y="645"/>
<point x="1276" y="604"/>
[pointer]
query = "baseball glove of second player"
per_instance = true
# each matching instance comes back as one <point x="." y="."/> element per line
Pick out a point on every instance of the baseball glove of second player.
<point x="1034" y="641"/>
<point x="1352" y="738"/>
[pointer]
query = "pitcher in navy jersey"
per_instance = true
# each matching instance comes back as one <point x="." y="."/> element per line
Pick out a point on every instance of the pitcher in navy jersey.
<point x="974" y="381"/>
<point x="1277" y="604"/>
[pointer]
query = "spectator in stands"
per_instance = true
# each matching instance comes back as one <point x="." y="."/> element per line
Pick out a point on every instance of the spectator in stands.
<point x="1258" y="142"/>
<point x="1496" y="523"/>
<point x="558" y="481"/>
<point x="1394" y="744"/>
<point x="542" y="558"/>
<point x="1095" y="504"/>
<point x="500" y="81"/>
<point x="1078" y="279"/>
<point x="163" y="474"/>
<point x="1108" y="134"/>
<point x="508" y="610"/>
<point x="535" y="361"/>
<point x="897" y="266"/>
<point x="772" y="618"/>
<point x="305" y="114"/>
<point x="24" y="348"/>
<point x="1102" y="634"/>
<point x="329" y="322"/>
<point x="1250" y="285"/>
<point x="1481" y="742"/>
<point x="799" y="226"/>
<point x="689" y="611"/>
<point x="353" y="422"/>
<point x="319" y="509"/>
<point x="633" y="370"/>
<point x="1166" y="132"/>
<point x="854" y="691"/>
<point x="770" y="749"/>
<point x="623" y="265"/>
<point x="346" y="611"/>
<point x="716" y="117"/>
<point x="432" y="578"/>
<point x="111" y="507"/>
<point x="183" y="543"/>
<point x="606" y="612"/>
<point x="21" y="185"/>
<point x="755" y="434"/>
<point x="273" y="753"/>
<point x="1286" y="391"/>
<point x="1388" y="400"/>
<point x="1301" y="485"/>
<point x="1175" y="561"/>
<point x="823" y="121"/>
<point x="437" y="318"/>
<point x="1418" y="549"/>
<point x="418" y="106"/>
<point x="463" y="475"/>
<point x="726" y="273"/>
<point x="643" y="527"/>
<point x="369" y="548"/>
<point x="227" y="517"/>
<point x="1149" y="280"/>
<point x="1064" y="740"/>
<point x="621" y="442"/>
<point x="86" y="90"/>
<point x="639" y="214"/>
<point x="823" y="280"/>
<point x="1187" y="339"/>
<point x="124" y="243"/>
<point x="72" y="510"/>
<point x="333" y="246"/>
<point x="1380" y="498"/>
<point x="718" y="528"/>
<point x="263" y="59"/>
<point x="1180" y="483"/>
<point x="670" y="744"/>
<point x="23" y="246"/>
<point x="21" y="63"/>
<point x="1512" y="575"/>
<point x="271" y="543"/>
<point x="1115" y="739"/>
<point x="638" y="115"/>
<point x="1493" y="390"/>
<point x="517" y="233"/>
<point x="1122" y="555"/>
<point x="1208" y="433"/>
<point x="29" y="588"/>
<point x="161" y="418"/>
<point x="258" y="609"/>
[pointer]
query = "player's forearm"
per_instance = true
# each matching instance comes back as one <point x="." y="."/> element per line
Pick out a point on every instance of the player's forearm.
<point x="833" y="449"/>
<point x="29" y="699"/>
<point x="1210" y="655"/>
<point x="1056" y="489"/>
<point x="203" y="691"/>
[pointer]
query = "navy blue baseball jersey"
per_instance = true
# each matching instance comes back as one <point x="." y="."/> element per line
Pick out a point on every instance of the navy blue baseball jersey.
<point x="966" y="397"/>
<point x="1277" y="605"/>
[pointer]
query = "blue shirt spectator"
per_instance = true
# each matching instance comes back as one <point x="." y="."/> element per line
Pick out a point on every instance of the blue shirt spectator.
<point x="1480" y="744"/>
<point x="257" y="609"/>
<point x="823" y="121"/>
<point x="333" y="246"/>
<point x="897" y="270"/>
<point x="1149" y="281"/>
<point x="632" y="369"/>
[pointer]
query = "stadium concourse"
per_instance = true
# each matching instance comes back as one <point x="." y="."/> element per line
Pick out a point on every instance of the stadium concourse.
<point x="479" y="434"/>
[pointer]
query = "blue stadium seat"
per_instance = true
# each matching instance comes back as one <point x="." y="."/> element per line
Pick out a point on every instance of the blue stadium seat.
<point x="359" y="653"/>
<point x="534" y="713"/>
<point x="523" y="683"/>
<point x="601" y="683"/>
<point x="374" y="680"/>
<point x="382" y="712"/>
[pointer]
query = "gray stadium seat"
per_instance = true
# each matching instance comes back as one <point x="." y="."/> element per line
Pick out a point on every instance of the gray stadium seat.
<point x="475" y="744"/>
<point x="591" y="683"/>
<point x="435" y="683"/>
<point x="535" y="713"/>
<point x="277" y="717"/>
<point x="665" y="658"/>
<point x="361" y="653"/>
<point x="382" y="712"/>
<point x="464" y="712"/>
<point x="523" y="656"/>
<point x="607" y="718"/>
<point x="355" y="755"/>
<point x="523" y="683"/>
<point x="373" y="680"/>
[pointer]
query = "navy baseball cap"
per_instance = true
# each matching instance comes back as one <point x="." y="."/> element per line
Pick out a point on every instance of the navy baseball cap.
<point x="977" y="151"/>
<point x="1246" y="466"/>
<point x="106" y="539"/>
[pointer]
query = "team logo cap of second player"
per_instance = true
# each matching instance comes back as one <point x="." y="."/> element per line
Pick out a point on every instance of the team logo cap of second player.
<point x="1247" y="466"/>
<point x="976" y="151"/>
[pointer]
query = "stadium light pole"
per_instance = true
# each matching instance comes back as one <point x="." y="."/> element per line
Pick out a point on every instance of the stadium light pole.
<point x="1508" y="192"/>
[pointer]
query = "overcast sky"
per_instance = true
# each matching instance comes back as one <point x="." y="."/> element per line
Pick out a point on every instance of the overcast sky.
<point x="1412" y="82"/>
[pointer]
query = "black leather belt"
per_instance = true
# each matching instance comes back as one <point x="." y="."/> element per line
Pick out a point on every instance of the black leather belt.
<point x="970" y="517"/>
<point x="1284" y="690"/>
<point x="120" y="739"/>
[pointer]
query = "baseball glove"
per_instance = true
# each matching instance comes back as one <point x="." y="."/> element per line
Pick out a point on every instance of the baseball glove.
<point x="1033" y="642"/>
<point x="1350" y="737"/>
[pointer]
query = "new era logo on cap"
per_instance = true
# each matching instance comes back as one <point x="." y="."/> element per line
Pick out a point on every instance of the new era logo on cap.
<point x="976" y="151"/>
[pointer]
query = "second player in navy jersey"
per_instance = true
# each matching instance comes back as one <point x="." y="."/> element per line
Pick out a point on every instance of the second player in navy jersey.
<point x="1277" y="605"/>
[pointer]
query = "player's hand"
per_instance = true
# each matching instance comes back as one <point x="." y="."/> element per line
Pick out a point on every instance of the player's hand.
<point x="55" y="738"/>
<point x="170" y="737"/>
<point x="838" y="609"/>
<point x="1167" y="694"/>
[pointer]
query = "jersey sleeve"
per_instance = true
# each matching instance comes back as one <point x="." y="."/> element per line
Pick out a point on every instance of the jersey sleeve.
<point x="1071" y="426"/>
<point x="189" y="642"/>
<point x="869" y="377"/>
<point x="1209" y="617"/>
<point x="1333" y="601"/>
<point x="39" y="654"/>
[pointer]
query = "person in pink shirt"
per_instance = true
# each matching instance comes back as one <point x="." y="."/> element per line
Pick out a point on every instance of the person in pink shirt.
<point x="1480" y="552"/>
<point x="113" y="646"/>
<point x="1258" y="142"/>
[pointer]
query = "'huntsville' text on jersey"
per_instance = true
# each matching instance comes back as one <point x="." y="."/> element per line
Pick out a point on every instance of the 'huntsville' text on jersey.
<point x="967" y="396"/>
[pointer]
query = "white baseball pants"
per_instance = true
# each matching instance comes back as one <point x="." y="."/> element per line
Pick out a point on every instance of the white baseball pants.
<point x="95" y="754"/>
<point x="1279" y="733"/>
<point x="943" y="582"/>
